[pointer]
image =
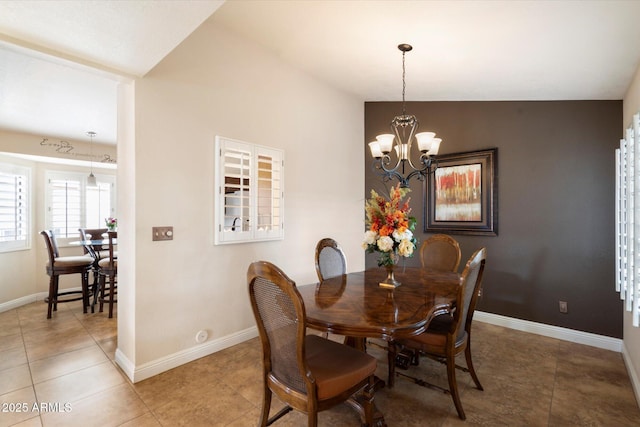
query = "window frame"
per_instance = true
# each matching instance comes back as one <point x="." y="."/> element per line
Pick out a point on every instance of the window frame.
<point x="81" y="178"/>
<point x="251" y="178"/>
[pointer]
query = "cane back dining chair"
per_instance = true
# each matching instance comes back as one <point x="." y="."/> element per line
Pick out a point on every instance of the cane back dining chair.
<point x="108" y="268"/>
<point x="58" y="266"/>
<point x="307" y="372"/>
<point x="330" y="259"/>
<point x="449" y="335"/>
<point x="440" y="252"/>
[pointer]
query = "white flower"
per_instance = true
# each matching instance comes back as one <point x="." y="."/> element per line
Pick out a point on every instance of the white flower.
<point x="385" y="243"/>
<point x="406" y="248"/>
<point x="398" y="237"/>
<point x="370" y="237"/>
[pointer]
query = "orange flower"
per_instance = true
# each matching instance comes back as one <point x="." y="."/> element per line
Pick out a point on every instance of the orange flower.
<point x="386" y="230"/>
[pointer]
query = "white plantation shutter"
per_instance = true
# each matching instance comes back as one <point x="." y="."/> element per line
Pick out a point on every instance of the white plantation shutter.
<point x="628" y="219"/>
<point x="65" y="208"/>
<point x="249" y="192"/>
<point x="71" y="204"/>
<point x="14" y="207"/>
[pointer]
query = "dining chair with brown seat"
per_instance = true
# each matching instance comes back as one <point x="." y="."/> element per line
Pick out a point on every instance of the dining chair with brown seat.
<point x="330" y="259"/>
<point x="108" y="268"/>
<point x="307" y="372"/>
<point x="449" y="335"/>
<point x="58" y="266"/>
<point x="440" y="252"/>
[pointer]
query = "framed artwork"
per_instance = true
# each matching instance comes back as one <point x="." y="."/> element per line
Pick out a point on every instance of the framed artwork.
<point x="461" y="196"/>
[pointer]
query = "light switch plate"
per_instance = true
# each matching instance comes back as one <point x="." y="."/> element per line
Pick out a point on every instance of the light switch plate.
<point x="162" y="233"/>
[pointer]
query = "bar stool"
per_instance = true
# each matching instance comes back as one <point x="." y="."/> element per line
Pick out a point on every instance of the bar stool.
<point x="108" y="267"/>
<point x="58" y="266"/>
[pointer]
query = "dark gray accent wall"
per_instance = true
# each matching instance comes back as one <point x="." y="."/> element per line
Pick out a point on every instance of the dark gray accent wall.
<point x="556" y="183"/>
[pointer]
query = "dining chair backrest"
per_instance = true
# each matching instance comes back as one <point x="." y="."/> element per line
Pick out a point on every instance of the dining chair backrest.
<point x="52" y="246"/>
<point x="472" y="283"/>
<point x="92" y="234"/>
<point x="279" y="313"/>
<point x="112" y="236"/>
<point x="440" y="252"/>
<point x="330" y="259"/>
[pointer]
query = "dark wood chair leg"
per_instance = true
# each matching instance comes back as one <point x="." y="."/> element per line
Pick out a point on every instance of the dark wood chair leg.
<point x="101" y="285"/>
<point x="472" y="371"/>
<point x="52" y="295"/>
<point x="85" y="291"/>
<point x="453" y="386"/>
<point x="112" y="291"/>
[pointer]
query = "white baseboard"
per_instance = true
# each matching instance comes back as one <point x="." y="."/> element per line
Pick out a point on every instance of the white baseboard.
<point x="633" y="376"/>
<point x="565" y="334"/>
<point x="155" y="367"/>
<point x="19" y="302"/>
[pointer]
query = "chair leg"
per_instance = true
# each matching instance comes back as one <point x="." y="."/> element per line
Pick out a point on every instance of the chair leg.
<point x="112" y="291"/>
<point x="266" y="406"/>
<point x="453" y="384"/>
<point x="85" y="290"/>
<point x="368" y="406"/>
<point x="312" y="419"/>
<point x="101" y="285"/>
<point x="52" y="294"/>
<point x="94" y="288"/>
<point x="472" y="371"/>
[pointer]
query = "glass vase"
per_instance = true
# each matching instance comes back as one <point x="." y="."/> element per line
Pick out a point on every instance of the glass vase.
<point x="390" y="281"/>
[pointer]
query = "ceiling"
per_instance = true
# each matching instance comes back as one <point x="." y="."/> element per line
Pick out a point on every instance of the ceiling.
<point x="60" y="61"/>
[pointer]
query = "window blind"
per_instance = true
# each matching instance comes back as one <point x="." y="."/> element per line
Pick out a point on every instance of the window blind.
<point x="14" y="208"/>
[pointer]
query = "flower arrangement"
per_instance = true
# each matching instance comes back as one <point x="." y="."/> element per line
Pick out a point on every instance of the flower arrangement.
<point x="111" y="223"/>
<point x="389" y="226"/>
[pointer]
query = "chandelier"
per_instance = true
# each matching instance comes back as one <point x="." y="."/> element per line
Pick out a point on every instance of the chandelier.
<point x="395" y="160"/>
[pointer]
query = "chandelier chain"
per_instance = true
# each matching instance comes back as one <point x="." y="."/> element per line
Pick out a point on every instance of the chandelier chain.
<point x="404" y="86"/>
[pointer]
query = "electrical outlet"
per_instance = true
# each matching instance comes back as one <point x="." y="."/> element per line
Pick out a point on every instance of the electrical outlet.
<point x="563" y="307"/>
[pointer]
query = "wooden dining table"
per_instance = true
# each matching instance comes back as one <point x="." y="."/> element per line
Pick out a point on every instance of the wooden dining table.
<point x="356" y="306"/>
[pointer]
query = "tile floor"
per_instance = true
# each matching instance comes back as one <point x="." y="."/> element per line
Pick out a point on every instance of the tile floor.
<point x="66" y="363"/>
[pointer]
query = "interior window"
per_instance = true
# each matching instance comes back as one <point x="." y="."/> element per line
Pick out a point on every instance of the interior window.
<point x="249" y="192"/>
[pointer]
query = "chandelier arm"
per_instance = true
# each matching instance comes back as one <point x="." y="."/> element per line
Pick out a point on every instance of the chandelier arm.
<point x="426" y="161"/>
<point x="385" y="161"/>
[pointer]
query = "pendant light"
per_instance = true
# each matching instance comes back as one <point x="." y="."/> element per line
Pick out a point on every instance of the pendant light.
<point x="91" y="179"/>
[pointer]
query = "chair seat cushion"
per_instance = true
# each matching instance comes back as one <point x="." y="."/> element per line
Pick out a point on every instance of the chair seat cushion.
<point x="72" y="261"/>
<point x="104" y="263"/>
<point x="434" y="339"/>
<point x="105" y="254"/>
<point x="336" y="367"/>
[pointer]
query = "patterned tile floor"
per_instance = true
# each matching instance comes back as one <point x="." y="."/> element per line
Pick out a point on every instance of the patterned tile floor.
<point x="66" y="364"/>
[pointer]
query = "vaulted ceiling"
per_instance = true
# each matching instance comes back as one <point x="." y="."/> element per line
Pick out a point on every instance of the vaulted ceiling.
<point x="60" y="61"/>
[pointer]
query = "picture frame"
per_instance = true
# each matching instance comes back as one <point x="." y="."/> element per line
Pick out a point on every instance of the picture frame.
<point x="461" y="195"/>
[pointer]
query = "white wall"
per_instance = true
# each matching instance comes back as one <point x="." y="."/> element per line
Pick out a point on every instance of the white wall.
<point x="631" y="334"/>
<point x="217" y="83"/>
